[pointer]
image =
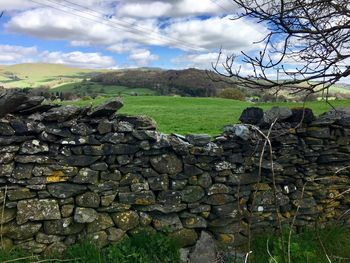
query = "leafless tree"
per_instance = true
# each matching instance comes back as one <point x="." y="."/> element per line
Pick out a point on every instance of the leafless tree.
<point x="312" y="35"/>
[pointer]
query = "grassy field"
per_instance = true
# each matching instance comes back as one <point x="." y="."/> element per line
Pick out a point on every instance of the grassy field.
<point x="38" y="74"/>
<point x="99" y="89"/>
<point x="197" y="115"/>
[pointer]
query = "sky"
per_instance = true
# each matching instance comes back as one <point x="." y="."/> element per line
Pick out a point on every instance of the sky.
<point x="123" y="33"/>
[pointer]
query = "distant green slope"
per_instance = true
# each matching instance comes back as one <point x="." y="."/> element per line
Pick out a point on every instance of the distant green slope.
<point x="38" y="74"/>
<point x="90" y="88"/>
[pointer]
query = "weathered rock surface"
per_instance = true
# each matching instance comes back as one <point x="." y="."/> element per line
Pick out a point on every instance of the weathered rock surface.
<point x="37" y="210"/>
<point x="71" y="173"/>
<point x="205" y="249"/>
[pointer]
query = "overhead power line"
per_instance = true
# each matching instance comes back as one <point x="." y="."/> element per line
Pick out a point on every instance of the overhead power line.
<point x="130" y="27"/>
<point x="222" y="7"/>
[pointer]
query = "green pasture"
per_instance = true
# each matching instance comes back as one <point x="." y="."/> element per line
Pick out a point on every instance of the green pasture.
<point x="41" y="74"/>
<point x="89" y="88"/>
<point x="197" y="115"/>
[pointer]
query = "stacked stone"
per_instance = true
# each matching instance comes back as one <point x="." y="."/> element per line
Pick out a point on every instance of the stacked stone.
<point x="70" y="173"/>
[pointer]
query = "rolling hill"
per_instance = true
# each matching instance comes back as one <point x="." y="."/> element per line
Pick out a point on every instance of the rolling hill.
<point x="188" y="82"/>
<point x="41" y="74"/>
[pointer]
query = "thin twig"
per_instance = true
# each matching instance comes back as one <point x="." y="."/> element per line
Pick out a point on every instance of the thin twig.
<point x="2" y="217"/>
<point x="268" y="251"/>
<point x="18" y="259"/>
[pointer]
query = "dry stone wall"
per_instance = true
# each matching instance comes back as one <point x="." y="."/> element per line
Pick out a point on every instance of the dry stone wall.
<point x="70" y="173"/>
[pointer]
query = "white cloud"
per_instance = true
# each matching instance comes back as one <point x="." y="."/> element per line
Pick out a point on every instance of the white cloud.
<point x="173" y="8"/>
<point x="154" y="9"/>
<point x="216" y="31"/>
<point x="122" y="47"/>
<point x="203" y="60"/>
<point x="19" y="54"/>
<point x="12" y="5"/>
<point x="16" y="54"/>
<point x="142" y="57"/>
<point x="78" y="59"/>
<point x="132" y="26"/>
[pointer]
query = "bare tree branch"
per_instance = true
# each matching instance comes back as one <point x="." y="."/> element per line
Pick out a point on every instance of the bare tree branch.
<point x="314" y="36"/>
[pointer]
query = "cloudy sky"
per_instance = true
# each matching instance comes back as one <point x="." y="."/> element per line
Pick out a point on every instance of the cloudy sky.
<point x="123" y="33"/>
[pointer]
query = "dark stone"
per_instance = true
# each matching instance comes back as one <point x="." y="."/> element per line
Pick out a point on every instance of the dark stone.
<point x="81" y="129"/>
<point x="65" y="226"/>
<point x="10" y="101"/>
<point x="6" y="129"/>
<point x="192" y="194"/>
<point x="33" y="147"/>
<point x="185" y="237"/>
<point x="85" y="215"/>
<point x="192" y="170"/>
<point x="62" y="113"/>
<point x="319" y="132"/>
<point x="277" y="113"/>
<point x="137" y="198"/>
<point x="159" y="183"/>
<point x="120" y="149"/>
<point x="8" y="140"/>
<point x="198" y="139"/>
<point x="37" y="210"/>
<point x="220" y="199"/>
<point x="204" y="180"/>
<point x="95" y="150"/>
<point x="6" y="158"/>
<point x="61" y="132"/>
<point x="205" y="250"/>
<point x="30" y="102"/>
<point x="334" y="158"/>
<point x="145" y="135"/>
<point x="88" y="199"/>
<point x="104" y="221"/>
<point x="167" y="164"/>
<point x="106" y="109"/>
<point x="126" y="220"/>
<point x="169" y="197"/>
<point x="194" y="222"/>
<point x="104" y="126"/>
<point x="123" y="126"/>
<point x="229" y="209"/>
<point x="20" y="194"/>
<point x="252" y="115"/>
<point x="169" y="221"/>
<point x="86" y="176"/>
<point x="22" y="232"/>
<point x="65" y="190"/>
<point x="305" y="115"/>
<point x="79" y="160"/>
<point x="23" y="171"/>
<point x="21" y="127"/>
<point x="138" y="122"/>
<point x="114" y="138"/>
<point x="6" y="169"/>
<point x="80" y="140"/>
<point x="113" y="176"/>
<point x="99" y="166"/>
<point x="243" y="179"/>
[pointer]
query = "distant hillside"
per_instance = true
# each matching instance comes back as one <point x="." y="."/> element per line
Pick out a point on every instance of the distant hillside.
<point x="41" y="74"/>
<point x="188" y="82"/>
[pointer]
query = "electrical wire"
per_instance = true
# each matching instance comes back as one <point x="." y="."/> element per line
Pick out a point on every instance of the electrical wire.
<point x="116" y="24"/>
<point x="219" y="5"/>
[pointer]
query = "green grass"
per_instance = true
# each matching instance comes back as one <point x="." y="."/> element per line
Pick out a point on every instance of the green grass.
<point x="99" y="89"/>
<point x="143" y="247"/>
<point x="38" y="74"/>
<point x="309" y="246"/>
<point x="197" y="115"/>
